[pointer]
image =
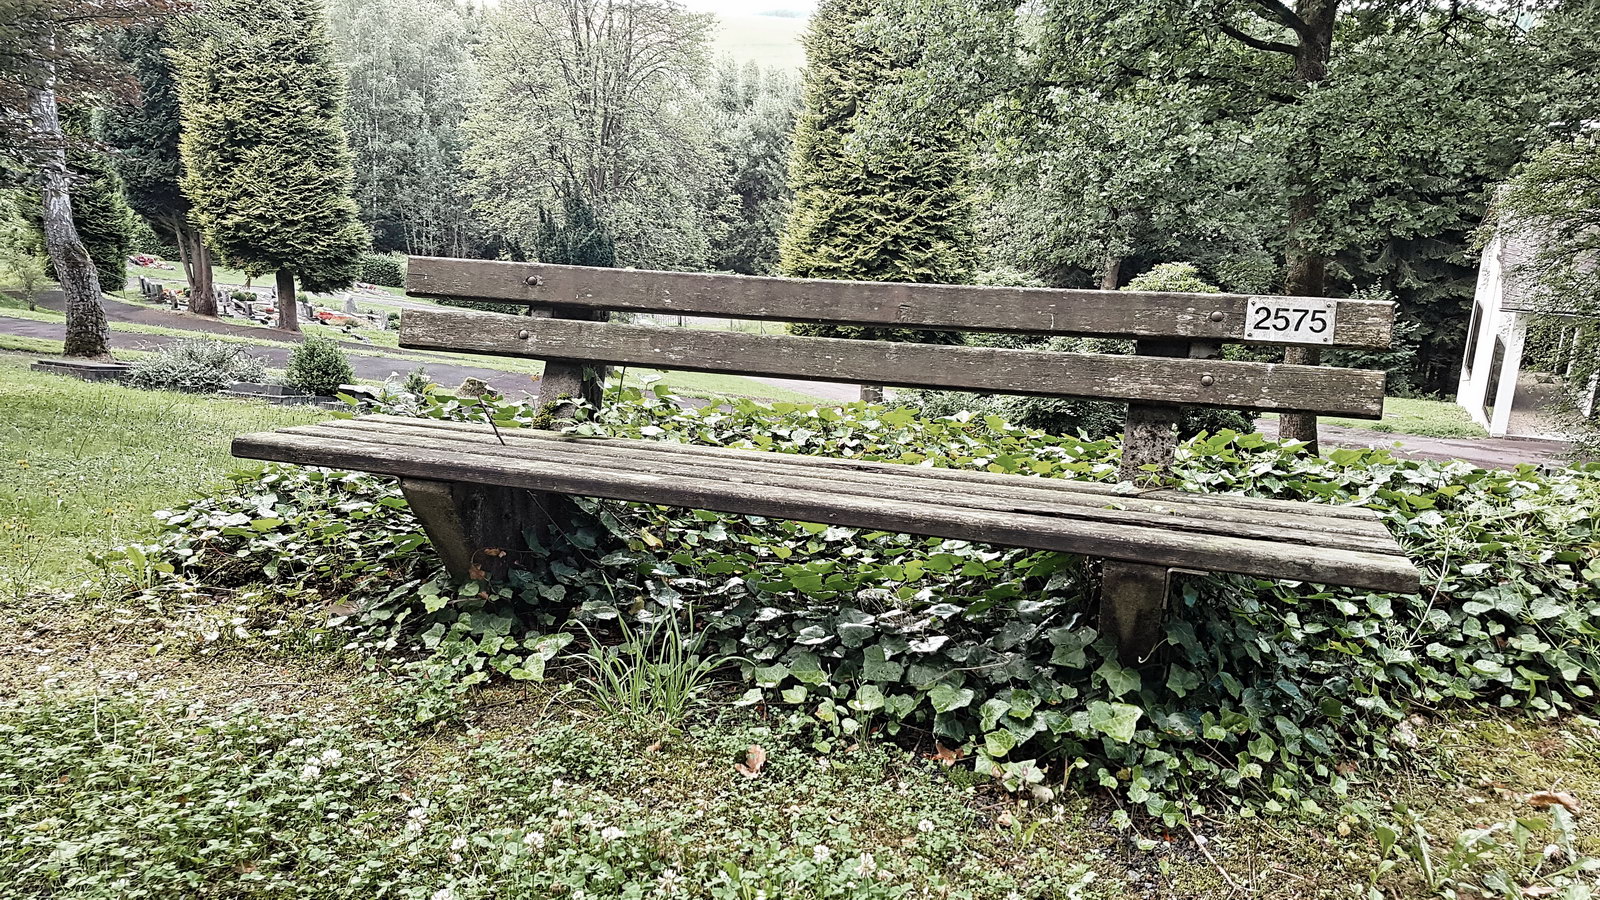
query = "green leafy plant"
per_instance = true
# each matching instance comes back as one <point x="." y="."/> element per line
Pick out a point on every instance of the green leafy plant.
<point x="197" y="365"/>
<point x="1520" y="857"/>
<point x="318" y="366"/>
<point x="382" y="269"/>
<point x="1267" y="691"/>
<point x="652" y="676"/>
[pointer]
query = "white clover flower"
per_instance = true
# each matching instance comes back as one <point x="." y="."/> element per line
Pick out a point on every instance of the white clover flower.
<point x="534" y="839"/>
<point x="443" y="894"/>
<point x="925" y="826"/>
<point x="821" y="853"/>
<point x="867" y="865"/>
<point x="611" y="833"/>
<point x="459" y="843"/>
<point x="331" y="757"/>
<point x="563" y="813"/>
<point x="311" y="772"/>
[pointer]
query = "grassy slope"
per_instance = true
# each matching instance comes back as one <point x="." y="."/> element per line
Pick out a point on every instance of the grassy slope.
<point x="85" y="464"/>
<point x="765" y="40"/>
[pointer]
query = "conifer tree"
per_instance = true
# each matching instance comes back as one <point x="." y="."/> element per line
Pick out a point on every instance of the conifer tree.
<point x="146" y="137"/>
<point x="894" y="207"/>
<point x="267" y="164"/>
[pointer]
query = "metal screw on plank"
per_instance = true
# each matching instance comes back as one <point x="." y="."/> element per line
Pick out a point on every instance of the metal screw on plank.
<point x="1207" y="380"/>
<point x="1217" y="316"/>
<point x="523" y="335"/>
<point x="534" y="281"/>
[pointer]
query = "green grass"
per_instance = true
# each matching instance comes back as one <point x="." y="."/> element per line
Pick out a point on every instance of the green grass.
<point x="1425" y="418"/>
<point x="87" y="463"/>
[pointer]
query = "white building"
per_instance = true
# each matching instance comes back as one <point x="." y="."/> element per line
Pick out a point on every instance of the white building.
<point x="1504" y="392"/>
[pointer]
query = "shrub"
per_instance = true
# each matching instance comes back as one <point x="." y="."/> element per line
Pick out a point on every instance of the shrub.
<point x="1265" y="691"/>
<point x="196" y="365"/>
<point x="318" y="366"/>
<point x="383" y="269"/>
<point x="1173" y="276"/>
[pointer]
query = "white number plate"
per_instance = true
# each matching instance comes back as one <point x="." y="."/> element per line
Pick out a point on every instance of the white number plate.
<point x="1298" y="319"/>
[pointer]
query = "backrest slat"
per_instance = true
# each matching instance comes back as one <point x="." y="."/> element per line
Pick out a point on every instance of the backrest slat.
<point x="1209" y="317"/>
<point x="1203" y="382"/>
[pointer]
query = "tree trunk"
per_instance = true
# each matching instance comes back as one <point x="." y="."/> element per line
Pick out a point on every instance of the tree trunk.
<point x="872" y="393"/>
<point x="1307" y="267"/>
<point x="1112" y="273"/>
<point x="88" y="334"/>
<point x="202" y="287"/>
<point x="288" y="306"/>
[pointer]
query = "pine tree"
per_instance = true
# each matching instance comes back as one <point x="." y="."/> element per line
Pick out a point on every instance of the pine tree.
<point x="892" y="208"/>
<point x="267" y="164"/>
<point x="146" y="137"/>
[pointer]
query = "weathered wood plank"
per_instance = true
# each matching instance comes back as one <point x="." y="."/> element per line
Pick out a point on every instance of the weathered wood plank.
<point x="1267" y="386"/>
<point x="1133" y="601"/>
<point x="1062" y="532"/>
<point x="1345" y="517"/>
<point x="704" y="469"/>
<point x="1221" y="317"/>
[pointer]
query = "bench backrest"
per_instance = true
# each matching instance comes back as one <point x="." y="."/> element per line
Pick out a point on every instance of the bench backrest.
<point x="1179" y="335"/>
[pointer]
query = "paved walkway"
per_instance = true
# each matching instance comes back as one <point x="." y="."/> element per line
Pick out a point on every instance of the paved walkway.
<point x="1490" y="453"/>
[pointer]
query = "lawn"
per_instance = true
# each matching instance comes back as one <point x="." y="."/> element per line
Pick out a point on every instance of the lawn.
<point x="1426" y="418"/>
<point x="203" y="742"/>
<point x="86" y="464"/>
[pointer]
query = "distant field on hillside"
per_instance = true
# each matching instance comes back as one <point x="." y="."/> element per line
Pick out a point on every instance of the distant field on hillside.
<point x="768" y="40"/>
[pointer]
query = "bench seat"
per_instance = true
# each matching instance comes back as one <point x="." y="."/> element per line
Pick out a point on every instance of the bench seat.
<point x="1274" y="539"/>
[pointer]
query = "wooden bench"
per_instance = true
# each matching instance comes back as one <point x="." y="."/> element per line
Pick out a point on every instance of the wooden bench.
<point x="476" y="489"/>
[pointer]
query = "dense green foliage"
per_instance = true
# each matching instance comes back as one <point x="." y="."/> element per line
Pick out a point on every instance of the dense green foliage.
<point x="601" y="103"/>
<point x="1119" y="135"/>
<point x="99" y="212"/>
<point x="411" y="76"/>
<point x="383" y="269"/>
<point x="754" y="113"/>
<point x="318" y="366"/>
<point x="197" y="365"/>
<point x="265" y="158"/>
<point x="896" y="208"/>
<point x="146" y="136"/>
<point x="1266" y="690"/>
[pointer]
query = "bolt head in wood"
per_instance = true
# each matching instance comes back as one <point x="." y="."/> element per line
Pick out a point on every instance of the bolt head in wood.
<point x="1207" y="380"/>
<point x="533" y="281"/>
<point x="523" y="335"/>
<point x="1217" y="316"/>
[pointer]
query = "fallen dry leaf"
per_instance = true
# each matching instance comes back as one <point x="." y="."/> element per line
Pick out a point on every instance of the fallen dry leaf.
<point x="754" y="759"/>
<point x="1546" y="799"/>
<point x="945" y="755"/>
<point x="653" y="748"/>
<point x="1540" y="890"/>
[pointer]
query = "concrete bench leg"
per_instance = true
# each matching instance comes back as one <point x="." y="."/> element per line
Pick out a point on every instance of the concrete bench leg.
<point x="1133" y="601"/>
<point x="466" y="521"/>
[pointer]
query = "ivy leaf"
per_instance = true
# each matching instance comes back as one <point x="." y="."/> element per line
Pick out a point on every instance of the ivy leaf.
<point x="1117" y="721"/>
<point x="998" y="743"/>
<point x="876" y="667"/>
<point x="1119" y="679"/>
<point x="947" y="697"/>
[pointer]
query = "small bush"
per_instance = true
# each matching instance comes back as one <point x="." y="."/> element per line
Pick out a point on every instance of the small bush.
<point x="199" y="366"/>
<point x="1175" y="276"/>
<point x="382" y="269"/>
<point x="318" y="366"/>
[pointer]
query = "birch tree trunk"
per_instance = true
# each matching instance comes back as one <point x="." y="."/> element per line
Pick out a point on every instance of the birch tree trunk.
<point x="88" y="335"/>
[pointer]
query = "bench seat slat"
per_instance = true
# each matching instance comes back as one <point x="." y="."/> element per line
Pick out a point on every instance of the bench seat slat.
<point x="1223" y="383"/>
<point x="1065" y="529"/>
<point x="902" y="480"/>
<point x="1211" y="317"/>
